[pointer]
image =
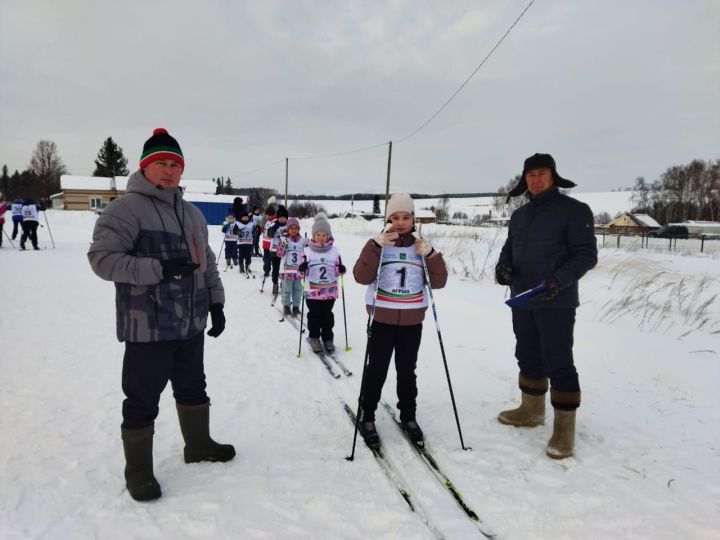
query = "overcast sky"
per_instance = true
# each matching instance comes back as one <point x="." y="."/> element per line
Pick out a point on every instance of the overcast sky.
<point x="614" y="89"/>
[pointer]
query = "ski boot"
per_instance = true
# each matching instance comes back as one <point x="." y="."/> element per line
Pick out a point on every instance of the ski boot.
<point x="286" y="311"/>
<point x="228" y="263"/>
<point x="296" y="311"/>
<point x="315" y="345"/>
<point x="329" y="346"/>
<point x="241" y="269"/>
<point x="413" y="431"/>
<point x="369" y="433"/>
<point x="275" y="289"/>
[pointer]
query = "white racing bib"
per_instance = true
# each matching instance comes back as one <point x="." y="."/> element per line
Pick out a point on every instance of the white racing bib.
<point x="401" y="284"/>
<point x="245" y="234"/>
<point x="231" y="233"/>
<point x="293" y="257"/>
<point x="322" y="278"/>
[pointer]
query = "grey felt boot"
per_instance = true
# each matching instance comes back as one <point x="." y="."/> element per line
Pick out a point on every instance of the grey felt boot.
<point x="562" y="441"/>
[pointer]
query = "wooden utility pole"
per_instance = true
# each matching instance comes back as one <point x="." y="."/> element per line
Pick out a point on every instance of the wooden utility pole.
<point x="387" y="183"/>
<point x="286" y="181"/>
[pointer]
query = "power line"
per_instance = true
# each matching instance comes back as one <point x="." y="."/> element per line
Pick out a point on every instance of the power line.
<point x="416" y="130"/>
<point x="419" y="128"/>
<point x="259" y="169"/>
<point x="340" y="153"/>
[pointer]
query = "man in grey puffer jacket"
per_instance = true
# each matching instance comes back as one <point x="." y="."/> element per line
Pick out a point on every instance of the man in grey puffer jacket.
<point x="154" y="246"/>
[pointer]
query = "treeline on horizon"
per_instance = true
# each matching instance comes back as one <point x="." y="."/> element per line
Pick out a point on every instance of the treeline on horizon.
<point x="371" y="196"/>
<point x="682" y="192"/>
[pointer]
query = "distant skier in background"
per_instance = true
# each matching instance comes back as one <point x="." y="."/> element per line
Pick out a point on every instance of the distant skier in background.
<point x="238" y="207"/>
<point x="290" y="250"/>
<point x="3" y="208"/>
<point x="322" y="266"/>
<point x="30" y="223"/>
<point x="17" y="218"/>
<point x="266" y="225"/>
<point x="244" y="243"/>
<point x="401" y="302"/>
<point x="275" y="233"/>
<point x="551" y="241"/>
<point x="256" y="219"/>
<point x="231" y="231"/>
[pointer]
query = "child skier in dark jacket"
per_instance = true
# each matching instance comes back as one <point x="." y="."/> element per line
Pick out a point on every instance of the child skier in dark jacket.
<point x="230" y="230"/>
<point x="398" y="296"/>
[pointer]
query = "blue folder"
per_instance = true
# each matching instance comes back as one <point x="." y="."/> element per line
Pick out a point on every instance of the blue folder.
<point x="523" y="297"/>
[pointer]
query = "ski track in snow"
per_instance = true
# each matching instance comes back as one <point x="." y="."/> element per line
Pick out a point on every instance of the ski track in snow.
<point x="647" y="451"/>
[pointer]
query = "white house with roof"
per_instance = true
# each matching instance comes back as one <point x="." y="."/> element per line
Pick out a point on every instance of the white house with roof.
<point x="94" y="192"/>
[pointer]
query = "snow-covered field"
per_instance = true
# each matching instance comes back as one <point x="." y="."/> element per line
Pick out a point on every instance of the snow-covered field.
<point x="611" y="202"/>
<point x="647" y="461"/>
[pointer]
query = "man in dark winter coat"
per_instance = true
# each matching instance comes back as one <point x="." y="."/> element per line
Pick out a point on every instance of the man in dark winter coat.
<point x="154" y="246"/>
<point x="551" y="241"/>
<point x="238" y="207"/>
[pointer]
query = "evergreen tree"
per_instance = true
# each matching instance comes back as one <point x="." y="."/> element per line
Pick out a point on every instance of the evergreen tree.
<point x="376" y="204"/>
<point x="110" y="161"/>
<point x="219" y="189"/>
<point x="228" y="186"/>
<point x="5" y="182"/>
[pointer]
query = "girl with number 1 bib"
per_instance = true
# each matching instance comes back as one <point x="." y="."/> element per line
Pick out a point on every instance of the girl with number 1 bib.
<point x="400" y="298"/>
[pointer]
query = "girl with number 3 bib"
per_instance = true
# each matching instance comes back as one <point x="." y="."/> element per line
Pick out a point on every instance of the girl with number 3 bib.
<point x="400" y="298"/>
<point x="290" y="250"/>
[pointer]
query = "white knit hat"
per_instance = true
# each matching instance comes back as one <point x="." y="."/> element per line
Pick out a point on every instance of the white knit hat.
<point x="272" y="201"/>
<point x="321" y="224"/>
<point x="400" y="202"/>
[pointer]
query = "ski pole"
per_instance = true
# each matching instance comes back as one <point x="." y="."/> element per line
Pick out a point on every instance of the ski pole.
<point x="371" y="318"/>
<point x="48" y="224"/>
<point x="442" y="349"/>
<point x="342" y="288"/>
<point x="302" y="318"/>
<point x="9" y="239"/>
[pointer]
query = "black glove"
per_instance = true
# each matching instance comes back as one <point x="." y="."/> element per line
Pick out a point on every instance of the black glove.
<point x="218" y="320"/>
<point x="551" y="292"/>
<point x="342" y="269"/>
<point x="503" y="274"/>
<point x="178" y="268"/>
<point x="303" y="267"/>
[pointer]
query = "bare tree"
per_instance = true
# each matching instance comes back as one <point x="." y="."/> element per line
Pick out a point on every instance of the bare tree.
<point x="47" y="166"/>
<point x="442" y="212"/>
<point x="502" y="205"/>
<point x="641" y="195"/>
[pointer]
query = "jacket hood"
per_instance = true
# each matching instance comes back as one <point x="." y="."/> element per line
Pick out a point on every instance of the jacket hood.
<point x="137" y="183"/>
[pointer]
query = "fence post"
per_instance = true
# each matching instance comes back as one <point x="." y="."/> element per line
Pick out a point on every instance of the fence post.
<point x="702" y="242"/>
<point x="618" y="240"/>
